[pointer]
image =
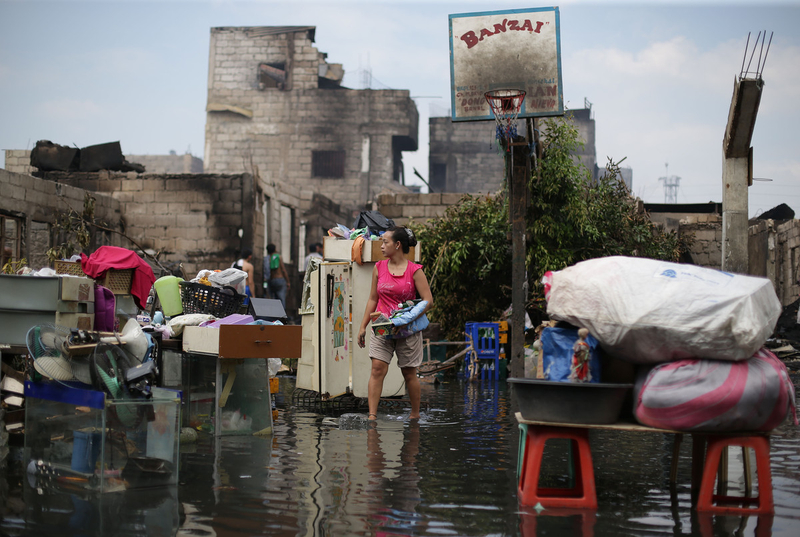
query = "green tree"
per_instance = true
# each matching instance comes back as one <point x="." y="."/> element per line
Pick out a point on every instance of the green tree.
<point x="570" y="219"/>
<point x="467" y="261"/>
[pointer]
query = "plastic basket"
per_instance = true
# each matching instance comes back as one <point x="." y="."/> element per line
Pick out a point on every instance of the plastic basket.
<point x="72" y="268"/>
<point x="117" y="280"/>
<point x="199" y="298"/>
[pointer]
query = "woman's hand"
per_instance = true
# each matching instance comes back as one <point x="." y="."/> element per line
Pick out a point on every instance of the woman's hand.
<point x="362" y="337"/>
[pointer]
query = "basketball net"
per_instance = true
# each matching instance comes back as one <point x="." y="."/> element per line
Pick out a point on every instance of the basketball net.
<point x="505" y="105"/>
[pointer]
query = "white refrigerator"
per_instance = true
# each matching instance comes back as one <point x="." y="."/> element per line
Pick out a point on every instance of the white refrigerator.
<point x="332" y="363"/>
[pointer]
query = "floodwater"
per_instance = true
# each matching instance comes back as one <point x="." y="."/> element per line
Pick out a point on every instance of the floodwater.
<point x="451" y="473"/>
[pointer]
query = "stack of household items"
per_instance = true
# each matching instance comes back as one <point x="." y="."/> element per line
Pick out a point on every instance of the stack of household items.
<point x="693" y="337"/>
<point x="99" y="413"/>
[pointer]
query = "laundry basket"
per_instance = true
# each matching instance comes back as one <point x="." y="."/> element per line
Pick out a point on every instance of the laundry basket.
<point x="199" y="298"/>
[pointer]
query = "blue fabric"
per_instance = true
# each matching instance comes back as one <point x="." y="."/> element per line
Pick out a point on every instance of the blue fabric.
<point x="557" y="350"/>
<point x="411" y="319"/>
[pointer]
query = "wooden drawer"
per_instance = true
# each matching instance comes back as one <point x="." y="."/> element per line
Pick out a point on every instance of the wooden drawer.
<point x="260" y="341"/>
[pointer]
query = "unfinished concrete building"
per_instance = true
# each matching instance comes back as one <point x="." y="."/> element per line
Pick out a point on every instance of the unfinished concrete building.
<point x="465" y="156"/>
<point x="276" y="108"/>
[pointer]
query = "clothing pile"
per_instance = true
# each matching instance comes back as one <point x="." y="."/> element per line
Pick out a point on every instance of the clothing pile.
<point x="403" y="321"/>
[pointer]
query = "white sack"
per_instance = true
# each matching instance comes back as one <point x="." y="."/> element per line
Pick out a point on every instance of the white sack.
<point x="647" y="311"/>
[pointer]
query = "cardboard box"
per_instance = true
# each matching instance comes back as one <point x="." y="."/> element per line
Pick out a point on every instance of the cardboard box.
<point x="83" y="321"/>
<point x="76" y="289"/>
<point x="382" y="329"/>
<point x="341" y="250"/>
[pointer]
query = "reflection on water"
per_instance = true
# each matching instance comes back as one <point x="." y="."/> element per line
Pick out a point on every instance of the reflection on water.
<point x="451" y="473"/>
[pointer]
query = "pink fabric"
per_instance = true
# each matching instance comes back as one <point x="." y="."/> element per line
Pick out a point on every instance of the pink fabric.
<point x="114" y="257"/>
<point x="393" y="290"/>
<point x="710" y="395"/>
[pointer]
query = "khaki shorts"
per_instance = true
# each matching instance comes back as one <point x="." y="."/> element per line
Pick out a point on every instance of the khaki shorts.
<point x="408" y="350"/>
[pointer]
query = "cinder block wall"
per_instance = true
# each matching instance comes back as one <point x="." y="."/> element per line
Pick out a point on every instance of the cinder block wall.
<point x="403" y="208"/>
<point x="36" y="203"/>
<point x="192" y="219"/>
<point x="787" y="260"/>
<point x="19" y="161"/>
<point x="473" y="159"/>
<point x="161" y="164"/>
<point x="706" y="229"/>
<point x="275" y="131"/>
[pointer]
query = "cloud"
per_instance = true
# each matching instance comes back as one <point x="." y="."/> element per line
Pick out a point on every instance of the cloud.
<point x="78" y="110"/>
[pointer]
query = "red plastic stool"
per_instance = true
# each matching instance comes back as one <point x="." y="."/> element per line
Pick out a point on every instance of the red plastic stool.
<point x="706" y="496"/>
<point x="582" y="495"/>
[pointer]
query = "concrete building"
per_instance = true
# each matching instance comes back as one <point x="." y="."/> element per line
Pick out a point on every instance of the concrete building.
<point x="172" y="163"/>
<point x="466" y="157"/>
<point x="289" y="154"/>
<point x="276" y="108"/>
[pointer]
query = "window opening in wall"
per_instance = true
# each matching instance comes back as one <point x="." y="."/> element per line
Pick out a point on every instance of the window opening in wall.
<point x="265" y="210"/>
<point x="11" y="235"/>
<point x="327" y="164"/>
<point x="272" y="75"/>
<point x="438" y="177"/>
<point x="287" y="225"/>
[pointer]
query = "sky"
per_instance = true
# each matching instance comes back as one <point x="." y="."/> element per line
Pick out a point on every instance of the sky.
<point x="659" y="75"/>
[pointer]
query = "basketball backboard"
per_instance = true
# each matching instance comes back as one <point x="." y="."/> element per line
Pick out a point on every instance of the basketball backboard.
<point x="511" y="49"/>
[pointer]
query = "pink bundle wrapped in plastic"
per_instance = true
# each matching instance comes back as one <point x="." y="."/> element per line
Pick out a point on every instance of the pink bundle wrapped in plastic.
<point x="717" y="396"/>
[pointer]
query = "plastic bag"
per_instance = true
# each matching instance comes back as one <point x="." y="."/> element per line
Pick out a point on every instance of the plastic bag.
<point x="647" y="311"/>
<point x="374" y="220"/>
<point x="557" y="355"/>
<point x="232" y="277"/>
<point x="712" y="395"/>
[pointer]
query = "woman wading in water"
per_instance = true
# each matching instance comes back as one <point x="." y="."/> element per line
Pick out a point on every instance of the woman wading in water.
<point x="394" y="281"/>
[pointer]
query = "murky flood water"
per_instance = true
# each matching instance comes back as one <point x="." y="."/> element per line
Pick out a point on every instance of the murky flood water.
<point x="453" y="473"/>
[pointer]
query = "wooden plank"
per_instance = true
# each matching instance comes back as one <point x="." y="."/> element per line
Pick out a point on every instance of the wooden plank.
<point x="619" y="426"/>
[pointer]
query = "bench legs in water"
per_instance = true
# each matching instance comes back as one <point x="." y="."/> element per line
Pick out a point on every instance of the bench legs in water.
<point x="717" y="449"/>
<point x="582" y="493"/>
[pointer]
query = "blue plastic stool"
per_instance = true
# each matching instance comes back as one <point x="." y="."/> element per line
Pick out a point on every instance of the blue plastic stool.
<point x="486" y="342"/>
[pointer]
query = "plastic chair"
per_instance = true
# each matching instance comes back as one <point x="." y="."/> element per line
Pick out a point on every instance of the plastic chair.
<point x="486" y="342"/>
<point x="706" y="498"/>
<point x="582" y="494"/>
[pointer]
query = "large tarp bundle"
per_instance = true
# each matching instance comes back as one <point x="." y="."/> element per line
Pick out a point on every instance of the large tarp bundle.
<point x="647" y="311"/>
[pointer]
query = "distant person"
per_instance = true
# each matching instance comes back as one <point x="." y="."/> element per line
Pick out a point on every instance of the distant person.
<point x="313" y="251"/>
<point x="278" y="277"/>
<point x="245" y="263"/>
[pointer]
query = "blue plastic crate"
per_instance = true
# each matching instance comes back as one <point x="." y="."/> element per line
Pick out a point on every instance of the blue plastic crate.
<point x="486" y="342"/>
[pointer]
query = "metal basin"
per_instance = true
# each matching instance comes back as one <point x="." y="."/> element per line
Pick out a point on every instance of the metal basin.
<point x="569" y="402"/>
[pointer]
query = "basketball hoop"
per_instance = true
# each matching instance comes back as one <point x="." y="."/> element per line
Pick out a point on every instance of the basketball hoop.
<point x="505" y="105"/>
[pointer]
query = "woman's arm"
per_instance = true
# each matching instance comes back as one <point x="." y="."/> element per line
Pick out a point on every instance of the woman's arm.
<point x="423" y="289"/>
<point x="372" y="303"/>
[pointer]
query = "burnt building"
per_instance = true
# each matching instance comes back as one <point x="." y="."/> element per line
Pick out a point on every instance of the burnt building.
<point x="466" y="156"/>
<point x="277" y="108"/>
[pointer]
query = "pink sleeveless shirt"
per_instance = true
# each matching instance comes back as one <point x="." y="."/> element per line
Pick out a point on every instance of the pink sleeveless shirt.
<point x="392" y="290"/>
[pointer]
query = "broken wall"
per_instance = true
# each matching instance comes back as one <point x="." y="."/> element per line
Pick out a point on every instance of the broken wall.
<point x="307" y="131"/>
<point x="192" y="219"/>
<point x="36" y="203"/>
<point x="403" y="208"/>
